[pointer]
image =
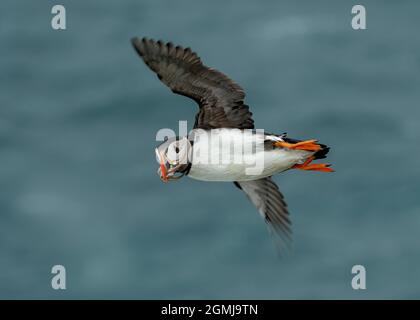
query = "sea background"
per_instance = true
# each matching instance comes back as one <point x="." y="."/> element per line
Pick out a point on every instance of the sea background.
<point x="79" y="112"/>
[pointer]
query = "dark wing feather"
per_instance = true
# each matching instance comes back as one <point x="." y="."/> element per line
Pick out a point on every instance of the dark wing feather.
<point x="220" y="99"/>
<point x="265" y="195"/>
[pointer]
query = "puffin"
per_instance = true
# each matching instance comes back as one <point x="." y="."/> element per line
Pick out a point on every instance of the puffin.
<point x="224" y="144"/>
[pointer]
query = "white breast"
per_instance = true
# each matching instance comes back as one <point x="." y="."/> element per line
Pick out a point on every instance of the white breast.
<point x="237" y="155"/>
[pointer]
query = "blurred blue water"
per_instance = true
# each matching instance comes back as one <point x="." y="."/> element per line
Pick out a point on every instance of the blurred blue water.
<point x="78" y="116"/>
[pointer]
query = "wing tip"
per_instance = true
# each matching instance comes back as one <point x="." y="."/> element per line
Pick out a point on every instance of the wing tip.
<point x="141" y="45"/>
<point x="136" y="42"/>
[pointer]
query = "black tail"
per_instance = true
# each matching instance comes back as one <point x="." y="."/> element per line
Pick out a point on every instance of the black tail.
<point x="322" y="154"/>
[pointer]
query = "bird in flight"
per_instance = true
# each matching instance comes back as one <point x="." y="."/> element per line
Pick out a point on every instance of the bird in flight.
<point x="223" y="116"/>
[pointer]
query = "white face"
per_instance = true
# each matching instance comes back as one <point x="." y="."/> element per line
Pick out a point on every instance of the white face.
<point x="173" y="160"/>
<point x="177" y="152"/>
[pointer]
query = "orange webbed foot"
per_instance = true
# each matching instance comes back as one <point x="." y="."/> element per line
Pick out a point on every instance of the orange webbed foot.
<point x="308" y="145"/>
<point x="323" y="167"/>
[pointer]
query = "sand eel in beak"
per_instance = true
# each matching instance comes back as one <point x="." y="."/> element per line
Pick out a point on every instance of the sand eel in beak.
<point x="223" y="116"/>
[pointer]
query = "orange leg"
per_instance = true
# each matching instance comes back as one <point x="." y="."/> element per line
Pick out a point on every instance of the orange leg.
<point x="323" y="167"/>
<point x="308" y="145"/>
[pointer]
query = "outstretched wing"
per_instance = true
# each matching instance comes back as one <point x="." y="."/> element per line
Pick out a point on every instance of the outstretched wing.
<point x="265" y="195"/>
<point x="220" y="99"/>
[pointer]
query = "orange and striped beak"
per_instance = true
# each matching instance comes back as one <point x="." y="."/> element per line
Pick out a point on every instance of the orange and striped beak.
<point x="162" y="167"/>
<point x="163" y="173"/>
<point x="167" y="172"/>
